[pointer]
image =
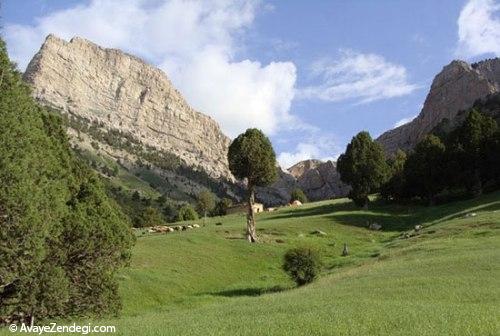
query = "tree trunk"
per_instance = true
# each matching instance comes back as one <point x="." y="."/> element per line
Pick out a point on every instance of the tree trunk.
<point x="251" y="234"/>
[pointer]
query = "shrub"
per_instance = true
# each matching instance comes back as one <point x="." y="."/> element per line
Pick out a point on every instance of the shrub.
<point x="302" y="264"/>
<point x="222" y="206"/>
<point x="298" y="195"/>
<point x="187" y="212"/>
<point x="149" y="217"/>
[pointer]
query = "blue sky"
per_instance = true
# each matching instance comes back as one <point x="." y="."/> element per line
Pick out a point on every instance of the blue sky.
<point x="311" y="74"/>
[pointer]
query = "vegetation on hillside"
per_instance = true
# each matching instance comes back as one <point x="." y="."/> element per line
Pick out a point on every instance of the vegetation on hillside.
<point x="441" y="280"/>
<point x="461" y="163"/>
<point x="62" y="239"/>
<point x="298" y="195"/>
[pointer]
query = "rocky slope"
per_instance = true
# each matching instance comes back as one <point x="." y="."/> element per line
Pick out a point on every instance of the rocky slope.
<point x="128" y="121"/>
<point x="119" y="91"/>
<point x="319" y="180"/>
<point x="300" y="168"/>
<point x="322" y="181"/>
<point x="455" y="88"/>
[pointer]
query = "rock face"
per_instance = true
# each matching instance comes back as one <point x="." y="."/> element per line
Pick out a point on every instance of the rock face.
<point x="300" y="168"/>
<point x="319" y="180"/>
<point x="120" y="91"/>
<point x="322" y="181"/>
<point x="279" y="192"/>
<point x="455" y="88"/>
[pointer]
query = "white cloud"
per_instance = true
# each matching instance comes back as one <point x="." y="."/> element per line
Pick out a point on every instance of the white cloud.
<point x="195" y="42"/>
<point x="364" y="77"/>
<point x="315" y="147"/>
<point x="479" y="29"/>
<point x="404" y="121"/>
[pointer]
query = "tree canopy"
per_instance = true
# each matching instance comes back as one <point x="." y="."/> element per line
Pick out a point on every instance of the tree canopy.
<point x="363" y="167"/>
<point x="251" y="156"/>
<point x="62" y="239"/>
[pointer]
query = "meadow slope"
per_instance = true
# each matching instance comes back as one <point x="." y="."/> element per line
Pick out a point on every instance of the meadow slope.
<point x="210" y="281"/>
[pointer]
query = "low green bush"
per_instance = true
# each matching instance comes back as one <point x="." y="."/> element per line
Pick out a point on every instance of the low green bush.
<point x="302" y="264"/>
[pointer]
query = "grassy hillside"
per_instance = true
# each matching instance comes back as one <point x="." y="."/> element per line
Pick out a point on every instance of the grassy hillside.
<point x="210" y="281"/>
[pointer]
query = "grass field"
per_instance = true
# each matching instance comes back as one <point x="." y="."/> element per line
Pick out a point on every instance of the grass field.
<point x="210" y="281"/>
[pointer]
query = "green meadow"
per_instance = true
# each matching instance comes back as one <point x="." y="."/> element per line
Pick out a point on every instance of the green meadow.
<point x="442" y="280"/>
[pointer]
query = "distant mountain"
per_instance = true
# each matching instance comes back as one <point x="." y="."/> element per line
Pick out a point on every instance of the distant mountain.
<point x="300" y="168"/>
<point x="129" y="121"/>
<point x="319" y="180"/>
<point x="454" y="89"/>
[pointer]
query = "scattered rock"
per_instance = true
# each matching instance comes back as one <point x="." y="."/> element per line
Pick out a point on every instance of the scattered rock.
<point x="196" y="226"/>
<point x="319" y="233"/>
<point x="375" y="226"/>
<point x="418" y="228"/>
<point x="470" y="214"/>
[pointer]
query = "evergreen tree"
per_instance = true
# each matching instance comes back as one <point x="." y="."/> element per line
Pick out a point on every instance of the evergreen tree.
<point x="395" y="187"/>
<point x="298" y="195"/>
<point x="363" y="167"/>
<point x="424" y="169"/>
<point x="150" y="217"/>
<point x="251" y="156"/>
<point x="469" y="143"/>
<point x="490" y="167"/>
<point x="222" y="206"/>
<point x="61" y="238"/>
<point x="205" y="203"/>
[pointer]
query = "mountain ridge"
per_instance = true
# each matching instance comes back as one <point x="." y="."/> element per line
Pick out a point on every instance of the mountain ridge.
<point x="455" y="88"/>
<point x="123" y="92"/>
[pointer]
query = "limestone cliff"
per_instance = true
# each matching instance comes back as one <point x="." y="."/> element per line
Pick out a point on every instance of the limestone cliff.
<point x="121" y="92"/>
<point x="455" y="88"/>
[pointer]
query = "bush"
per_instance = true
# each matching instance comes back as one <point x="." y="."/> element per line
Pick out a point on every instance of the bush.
<point x="298" y="195"/>
<point x="302" y="264"/>
<point x="222" y="206"/>
<point x="149" y="217"/>
<point x="187" y="212"/>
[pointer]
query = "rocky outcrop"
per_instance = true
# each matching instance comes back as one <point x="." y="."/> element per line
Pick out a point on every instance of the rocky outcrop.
<point x="319" y="180"/>
<point x="119" y="91"/>
<point x="455" y="88"/>
<point x="300" y="168"/>
<point x="322" y="181"/>
<point x="279" y="192"/>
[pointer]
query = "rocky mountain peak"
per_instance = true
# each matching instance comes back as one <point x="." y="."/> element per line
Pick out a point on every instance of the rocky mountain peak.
<point x="455" y="88"/>
<point x="298" y="169"/>
<point x="122" y="92"/>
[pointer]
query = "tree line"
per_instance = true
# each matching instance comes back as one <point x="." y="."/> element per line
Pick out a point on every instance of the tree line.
<point x="462" y="162"/>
